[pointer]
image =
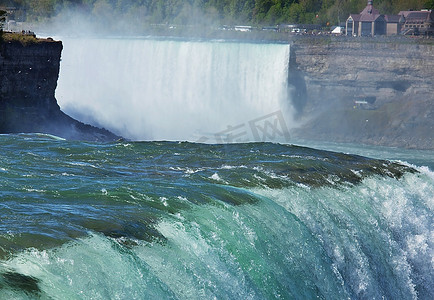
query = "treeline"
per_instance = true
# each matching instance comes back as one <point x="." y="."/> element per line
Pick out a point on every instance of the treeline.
<point x="209" y="12"/>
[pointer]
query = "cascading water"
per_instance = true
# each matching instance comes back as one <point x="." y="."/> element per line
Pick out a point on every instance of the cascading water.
<point x="170" y="220"/>
<point x="147" y="89"/>
<point x="179" y="220"/>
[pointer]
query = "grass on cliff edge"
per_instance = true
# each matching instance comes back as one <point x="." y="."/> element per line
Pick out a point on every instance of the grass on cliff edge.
<point x="24" y="39"/>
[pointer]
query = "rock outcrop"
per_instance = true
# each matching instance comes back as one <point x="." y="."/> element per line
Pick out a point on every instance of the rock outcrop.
<point x="367" y="91"/>
<point x="28" y="79"/>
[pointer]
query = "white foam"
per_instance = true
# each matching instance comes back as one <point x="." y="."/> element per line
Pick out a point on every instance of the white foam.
<point x="385" y="218"/>
<point x="216" y="177"/>
<point x="171" y="90"/>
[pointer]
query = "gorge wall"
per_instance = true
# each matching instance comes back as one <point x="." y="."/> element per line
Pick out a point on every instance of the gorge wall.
<point x="366" y="91"/>
<point x="28" y="79"/>
<point x="361" y="91"/>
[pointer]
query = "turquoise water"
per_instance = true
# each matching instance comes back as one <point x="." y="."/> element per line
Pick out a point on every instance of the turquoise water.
<point x="412" y="156"/>
<point x="169" y="220"/>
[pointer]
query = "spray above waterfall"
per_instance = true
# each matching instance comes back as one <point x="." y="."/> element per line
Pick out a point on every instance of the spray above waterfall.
<point x="147" y="89"/>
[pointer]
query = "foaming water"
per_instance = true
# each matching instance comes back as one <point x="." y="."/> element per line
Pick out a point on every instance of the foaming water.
<point x="193" y="221"/>
<point x="146" y="89"/>
<point x="377" y="234"/>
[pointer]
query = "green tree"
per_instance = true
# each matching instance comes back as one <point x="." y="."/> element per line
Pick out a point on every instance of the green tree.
<point x="2" y="18"/>
<point x="247" y="10"/>
<point x="2" y="22"/>
<point x="429" y="4"/>
<point x="295" y="13"/>
<point x="385" y="6"/>
<point x="274" y="14"/>
<point x="261" y="9"/>
<point x="42" y="9"/>
<point x="141" y="12"/>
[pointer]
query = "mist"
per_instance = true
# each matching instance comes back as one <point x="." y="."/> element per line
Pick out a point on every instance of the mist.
<point x="160" y="89"/>
<point x="130" y="18"/>
<point x="149" y="81"/>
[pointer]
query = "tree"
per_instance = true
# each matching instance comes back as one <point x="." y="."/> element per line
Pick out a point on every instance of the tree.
<point x="274" y="14"/>
<point x="429" y="4"/>
<point x="2" y="19"/>
<point x="295" y="13"/>
<point x="2" y="22"/>
<point x="42" y="9"/>
<point x="142" y="12"/>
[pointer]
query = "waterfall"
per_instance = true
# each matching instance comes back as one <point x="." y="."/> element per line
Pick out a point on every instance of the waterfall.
<point x="150" y="89"/>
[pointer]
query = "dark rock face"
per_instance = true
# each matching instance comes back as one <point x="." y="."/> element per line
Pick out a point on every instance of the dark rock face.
<point x="296" y="84"/>
<point x="28" y="80"/>
<point x="369" y="92"/>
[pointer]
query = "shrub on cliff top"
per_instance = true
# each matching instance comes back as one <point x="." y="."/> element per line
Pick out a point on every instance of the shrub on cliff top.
<point x="23" y="38"/>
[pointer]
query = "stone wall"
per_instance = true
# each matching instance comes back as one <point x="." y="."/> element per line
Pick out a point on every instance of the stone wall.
<point x="398" y="76"/>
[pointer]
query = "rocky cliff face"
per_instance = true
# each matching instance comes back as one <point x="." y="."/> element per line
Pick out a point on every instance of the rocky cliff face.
<point x="28" y="79"/>
<point x="367" y="92"/>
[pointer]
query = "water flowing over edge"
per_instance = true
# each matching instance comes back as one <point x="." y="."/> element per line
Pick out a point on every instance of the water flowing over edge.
<point x="207" y="232"/>
<point x="149" y="89"/>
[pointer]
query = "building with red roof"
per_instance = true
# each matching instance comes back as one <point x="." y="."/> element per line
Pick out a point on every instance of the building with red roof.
<point x="418" y="22"/>
<point x="370" y="22"/>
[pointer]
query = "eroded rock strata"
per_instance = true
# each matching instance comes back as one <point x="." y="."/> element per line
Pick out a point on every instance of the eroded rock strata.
<point x="28" y="80"/>
<point x="367" y="91"/>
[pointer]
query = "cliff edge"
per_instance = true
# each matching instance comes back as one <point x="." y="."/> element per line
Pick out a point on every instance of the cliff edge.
<point x="369" y="91"/>
<point x="29" y="69"/>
